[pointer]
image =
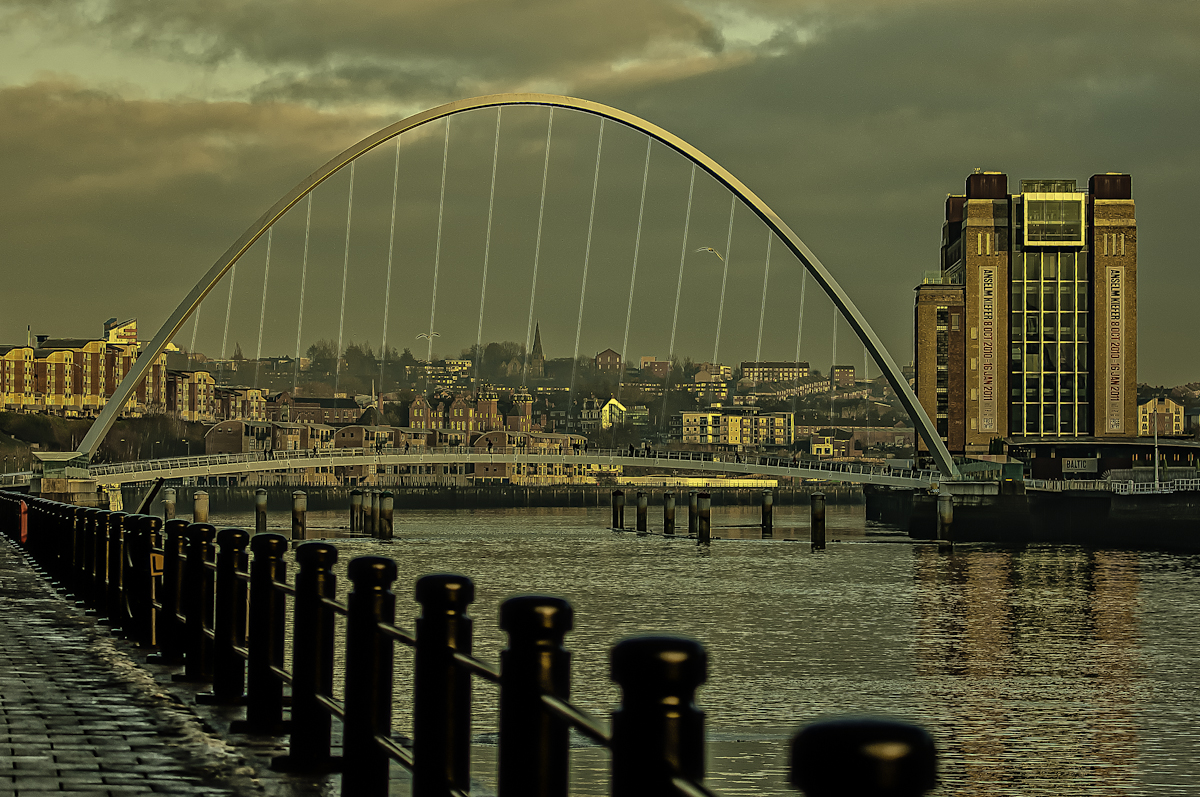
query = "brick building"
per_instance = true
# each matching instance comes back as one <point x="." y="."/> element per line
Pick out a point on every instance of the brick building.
<point x="1028" y="330"/>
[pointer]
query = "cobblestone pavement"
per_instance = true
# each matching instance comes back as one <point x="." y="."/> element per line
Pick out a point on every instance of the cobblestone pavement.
<point x="78" y="717"/>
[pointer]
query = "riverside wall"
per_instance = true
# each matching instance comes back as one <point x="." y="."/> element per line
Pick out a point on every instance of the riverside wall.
<point x="279" y="498"/>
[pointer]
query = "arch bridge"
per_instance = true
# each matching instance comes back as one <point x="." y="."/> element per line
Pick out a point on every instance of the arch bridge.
<point x="693" y="462"/>
<point x="781" y="231"/>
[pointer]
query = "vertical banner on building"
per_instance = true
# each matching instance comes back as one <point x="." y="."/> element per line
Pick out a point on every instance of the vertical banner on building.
<point x="1114" y="376"/>
<point x="987" y="349"/>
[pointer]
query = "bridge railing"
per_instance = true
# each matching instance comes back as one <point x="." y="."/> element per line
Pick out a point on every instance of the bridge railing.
<point x="216" y="602"/>
<point x="573" y="454"/>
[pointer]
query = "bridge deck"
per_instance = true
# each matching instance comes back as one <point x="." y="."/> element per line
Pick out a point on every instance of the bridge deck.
<point x="703" y="462"/>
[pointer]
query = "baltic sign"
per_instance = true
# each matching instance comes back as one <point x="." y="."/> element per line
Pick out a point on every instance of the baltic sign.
<point x="1114" y="384"/>
<point x="987" y="349"/>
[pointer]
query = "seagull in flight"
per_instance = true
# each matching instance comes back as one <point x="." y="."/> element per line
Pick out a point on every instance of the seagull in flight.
<point x="430" y="335"/>
<point x="714" y="251"/>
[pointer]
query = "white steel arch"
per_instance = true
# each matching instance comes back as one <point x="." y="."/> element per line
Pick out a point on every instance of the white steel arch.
<point x="925" y="427"/>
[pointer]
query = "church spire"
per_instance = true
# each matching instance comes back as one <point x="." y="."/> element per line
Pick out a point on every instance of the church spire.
<point x="537" y="359"/>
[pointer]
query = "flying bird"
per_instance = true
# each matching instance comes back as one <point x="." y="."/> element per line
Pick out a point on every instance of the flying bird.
<point x="714" y="251"/>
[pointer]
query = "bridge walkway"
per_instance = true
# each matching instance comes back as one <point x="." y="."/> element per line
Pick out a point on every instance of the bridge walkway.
<point x="694" y="461"/>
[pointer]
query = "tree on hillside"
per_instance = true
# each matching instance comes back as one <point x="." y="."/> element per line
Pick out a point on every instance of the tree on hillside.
<point x="237" y="352"/>
<point x="322" y="356"/>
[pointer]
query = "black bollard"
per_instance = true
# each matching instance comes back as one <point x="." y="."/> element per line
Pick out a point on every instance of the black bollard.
<point x="693" y="513"/>
<point x="534" y="744"/>
<point x="880" y="758"/>
<point x="618" y="509"/>
<point x="385" y="516"/>
<point x="170" y="626"/>
<point x="260" y="511"/>
<point x="368" y="686"/>
<point x="817" y="521"/>
<point x="643" y="503"/>
<point x="657" y="732"/>
<point x="229" y="620"/>
<point x="267" y="630"/>
<point x="114" y="600"/>
<point x="312" y="662"/>
<point x="299" y="515"/>
<point x="199" y="587"/>
<point x="356" y="499"/>
<point x="143" y="576"/>
<point x="669" y="514"/>
<point x="442" y="690"/>
<point x="703" y="519"/>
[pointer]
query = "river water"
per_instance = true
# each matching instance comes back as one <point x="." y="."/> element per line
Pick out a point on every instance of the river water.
<point x="1043" y="670"/>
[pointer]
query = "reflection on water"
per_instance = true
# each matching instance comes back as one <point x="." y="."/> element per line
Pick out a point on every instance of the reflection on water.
<point x="1040" y="671"/>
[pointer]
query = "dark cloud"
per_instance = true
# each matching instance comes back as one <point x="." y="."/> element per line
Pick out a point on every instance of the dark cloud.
<point x="853" y="122"/>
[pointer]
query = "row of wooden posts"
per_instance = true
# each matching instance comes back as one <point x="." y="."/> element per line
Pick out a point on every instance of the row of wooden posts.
<point x="215" y="603"/>
<point x="371" y="512"/>
<point x="699" y="516"/>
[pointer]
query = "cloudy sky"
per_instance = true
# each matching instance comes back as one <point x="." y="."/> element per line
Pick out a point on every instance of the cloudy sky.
<point x="138" y="140"/>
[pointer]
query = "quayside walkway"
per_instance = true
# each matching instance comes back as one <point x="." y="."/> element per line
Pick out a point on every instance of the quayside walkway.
<point x="77" y="717"/>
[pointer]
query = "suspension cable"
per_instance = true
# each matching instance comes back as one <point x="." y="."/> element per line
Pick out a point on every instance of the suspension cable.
<point x="195" y="328"/>
<point x="228" y="309"/>
<point x="262" y="313"/>
<point x="637" y="245"/>
<point x="337" y="355"/>
<point x="762" y="313"/>
<point x="687" y="220"/>
<point x="724" y="278"/>
<point x="387" y="291"/>
<point x="537" y="248"/>
<point x="587" y="253"/>
<point x="487" y="252"/>
<point x="799" y="331"/>
<point x="437" y="255"/>
<point x="303" y="278"/>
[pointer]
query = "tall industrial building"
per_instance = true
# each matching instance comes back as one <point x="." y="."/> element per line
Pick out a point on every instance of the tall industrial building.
<point x="1060" y="264"/>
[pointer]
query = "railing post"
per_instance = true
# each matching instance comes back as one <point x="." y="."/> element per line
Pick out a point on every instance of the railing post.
<point x="312" y="661"/>
<point x="96" y="543"/>
<point x="79" y="539"/>
<point x="368" y="676"/>
<point x="140" y="577"/>
<point x="229" y="622"/>
<point x="198" y="588"/>
<point x="114" y="598"/>
<point x="534" y="745"/>
<point x="267" y="631"/>
<point x="883" y="758"/>
<point x="657" y="732"/>
<point x="442" y="690"/>
<point x="170" y="629"/>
